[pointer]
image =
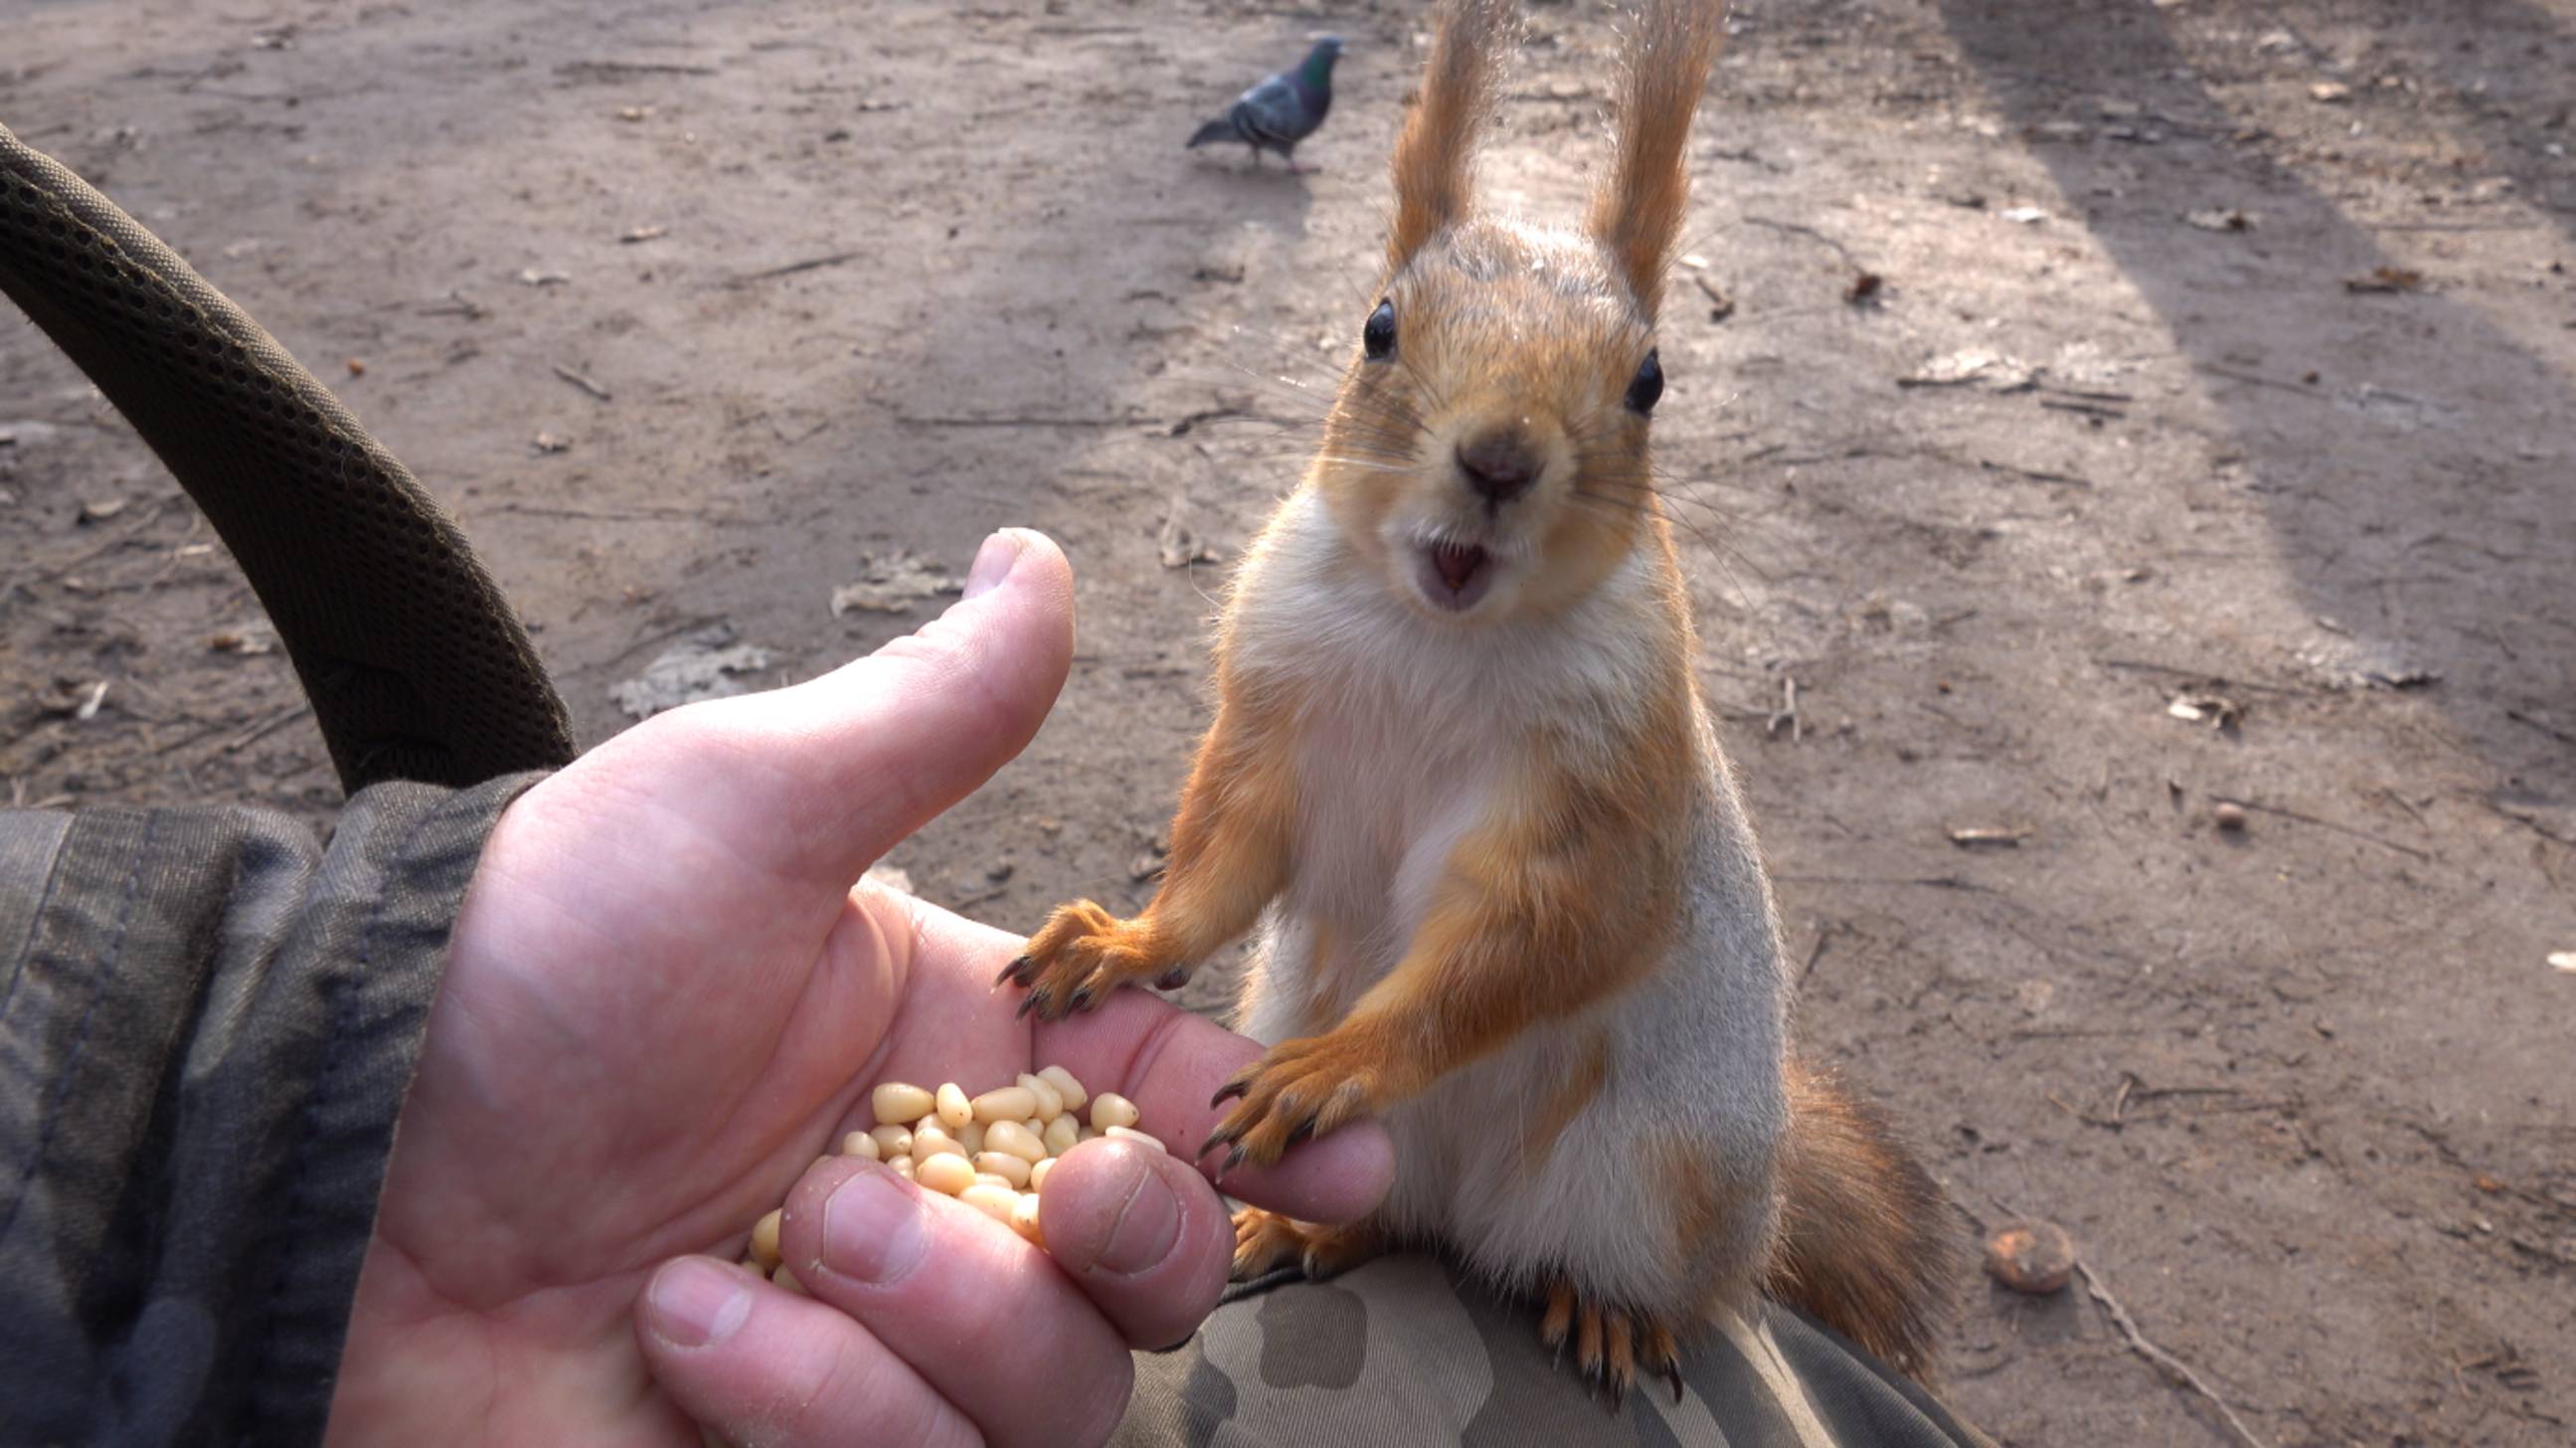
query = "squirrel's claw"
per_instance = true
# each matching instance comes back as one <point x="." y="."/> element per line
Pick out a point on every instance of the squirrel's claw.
<point x="1300" y="1089"/>
<point x="1079" y="956"/>
<point x="1266" y="1241"/>
<point x="1611" y="1343"/>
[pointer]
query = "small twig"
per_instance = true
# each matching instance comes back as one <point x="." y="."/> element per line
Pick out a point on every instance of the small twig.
<point x="2086" y="408"/>
<point x="259" y="732"/>
<point x="2552" y="730"/>
<point x="2291" y="814"/>
<point x="1824" y="937"/>
<point x="793" y="267"/>
<point x="184" y="740"/>
<point x="1788" y="712"/>
<point x="625" y="515"/>
<point x="145" y="519"/>
<point x="584" y="383"/>
<point x="606" y="68"/>
<point x="912" y="420"/>
<point x="1928" y="882"/>
<point x="2139" y="1342"/>
<point x="2257" y="379"/>
<point x="2036" y="475"/>
<point x="2198" y="676"/>
<point x="1799" y="230"/>
<point x="2087" y="1117"/>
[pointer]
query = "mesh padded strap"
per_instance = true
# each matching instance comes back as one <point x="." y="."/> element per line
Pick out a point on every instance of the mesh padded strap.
<point x="416" y="664"/>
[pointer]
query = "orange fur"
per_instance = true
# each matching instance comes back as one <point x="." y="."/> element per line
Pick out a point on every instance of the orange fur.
<point x="1569" y="885"/>
<point x="1637" y="212"/>
<point x="1538" y="1138"/>
<point x="1865" y="1241"/>
<point x="1435" y="155"/>
<point x="1554" y="904"/>
<point x="1229" y="857"/>
<point x="1265" y="1241"/>
<point x="1472" y="360"/>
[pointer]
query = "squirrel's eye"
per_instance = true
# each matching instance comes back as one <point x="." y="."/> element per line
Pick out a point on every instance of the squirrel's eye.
<point x="1378" y="337"/>
<point x="1648" y="385"/>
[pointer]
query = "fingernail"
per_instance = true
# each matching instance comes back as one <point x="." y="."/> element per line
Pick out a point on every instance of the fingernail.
<point x="1149" y="1222"/>
<point x="872" y="1228"/>
<point x="694" y="1302"/>
<point x="993" y="562"/>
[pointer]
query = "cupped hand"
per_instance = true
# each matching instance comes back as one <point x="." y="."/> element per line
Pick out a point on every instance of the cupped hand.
<point x="665" y="1000"/>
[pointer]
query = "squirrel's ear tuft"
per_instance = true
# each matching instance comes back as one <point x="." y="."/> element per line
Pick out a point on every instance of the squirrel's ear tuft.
<point x="1637" y="212"/>
<point x="1434" y="156"/>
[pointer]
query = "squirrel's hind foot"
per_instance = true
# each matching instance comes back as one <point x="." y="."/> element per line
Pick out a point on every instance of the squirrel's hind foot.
<point x="1266" y="1241"/>
<point x="1612" y="1344"/>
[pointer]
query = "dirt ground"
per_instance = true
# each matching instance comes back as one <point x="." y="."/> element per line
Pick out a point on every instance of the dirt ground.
<point x="2115" y="433"/>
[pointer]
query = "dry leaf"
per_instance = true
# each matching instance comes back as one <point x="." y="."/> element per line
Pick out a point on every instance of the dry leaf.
<point x="893" y="583"/>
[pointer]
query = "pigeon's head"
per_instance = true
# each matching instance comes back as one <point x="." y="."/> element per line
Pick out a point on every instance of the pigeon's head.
<point x="1318" y="69"/>
<point x="1488" y="451"/>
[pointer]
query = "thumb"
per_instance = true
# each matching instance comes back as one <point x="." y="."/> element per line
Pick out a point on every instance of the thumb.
<point x="834" y="772"/>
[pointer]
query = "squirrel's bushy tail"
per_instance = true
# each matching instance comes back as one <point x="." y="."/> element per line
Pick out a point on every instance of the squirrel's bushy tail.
<point x="1220" y="129"/>
<point x="1866" y="1243"/>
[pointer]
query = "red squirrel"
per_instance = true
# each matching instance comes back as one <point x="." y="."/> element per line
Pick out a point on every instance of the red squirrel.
<point x="1461" y="776"/>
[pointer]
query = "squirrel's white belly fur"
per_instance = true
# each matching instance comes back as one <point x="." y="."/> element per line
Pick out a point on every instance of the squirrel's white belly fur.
<point x="1406" y="729"/>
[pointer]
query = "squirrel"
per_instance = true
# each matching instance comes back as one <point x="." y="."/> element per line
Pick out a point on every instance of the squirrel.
<point x="1461" y="776"/>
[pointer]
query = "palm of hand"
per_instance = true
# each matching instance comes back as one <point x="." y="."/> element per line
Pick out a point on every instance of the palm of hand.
<point x="649" y="1029"/>
<point x="664" y="1000"/>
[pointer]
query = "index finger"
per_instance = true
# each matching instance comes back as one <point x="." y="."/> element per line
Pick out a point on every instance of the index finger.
<point x="1170" y="1063"/>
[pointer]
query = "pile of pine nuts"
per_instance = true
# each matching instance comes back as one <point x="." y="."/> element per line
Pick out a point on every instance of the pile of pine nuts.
<point x="993" y="1152"/>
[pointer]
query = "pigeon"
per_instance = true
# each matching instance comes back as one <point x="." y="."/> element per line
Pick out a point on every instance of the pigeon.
<point x="1281" y="111"/>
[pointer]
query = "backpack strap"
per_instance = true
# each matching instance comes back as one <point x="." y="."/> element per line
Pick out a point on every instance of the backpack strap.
<point x="416" y="664"/>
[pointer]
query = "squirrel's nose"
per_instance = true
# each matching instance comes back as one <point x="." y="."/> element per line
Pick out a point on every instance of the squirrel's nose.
<point x="1499" y="465"/>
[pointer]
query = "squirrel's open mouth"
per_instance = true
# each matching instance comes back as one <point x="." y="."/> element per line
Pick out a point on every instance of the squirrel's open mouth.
<point x="1455" y="575"/>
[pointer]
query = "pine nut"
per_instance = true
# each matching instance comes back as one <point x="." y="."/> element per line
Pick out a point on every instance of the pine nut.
<point x="899" y="1101"/>
<point x="1011" y="1103"/>
<point x="1050" y="1101"/>
<point x="993" y="1201"/>
<point x="1061" y="1135"/>
<point x="1110" y="1109"/>
<point x="1016" y="1139"/>
<point x="1066" y="1086"/>
<point x="946" y="1173"/>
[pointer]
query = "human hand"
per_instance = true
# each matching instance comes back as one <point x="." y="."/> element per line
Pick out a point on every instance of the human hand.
<point x="664" y="999"/>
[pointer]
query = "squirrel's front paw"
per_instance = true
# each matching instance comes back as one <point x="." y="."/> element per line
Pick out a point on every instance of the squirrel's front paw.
<point x="1082" y="954"/>
<point x="1299" y="1089"/>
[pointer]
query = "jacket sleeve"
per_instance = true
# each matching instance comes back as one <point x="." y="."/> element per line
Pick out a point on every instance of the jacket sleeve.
<point x="208" y="1021"/>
